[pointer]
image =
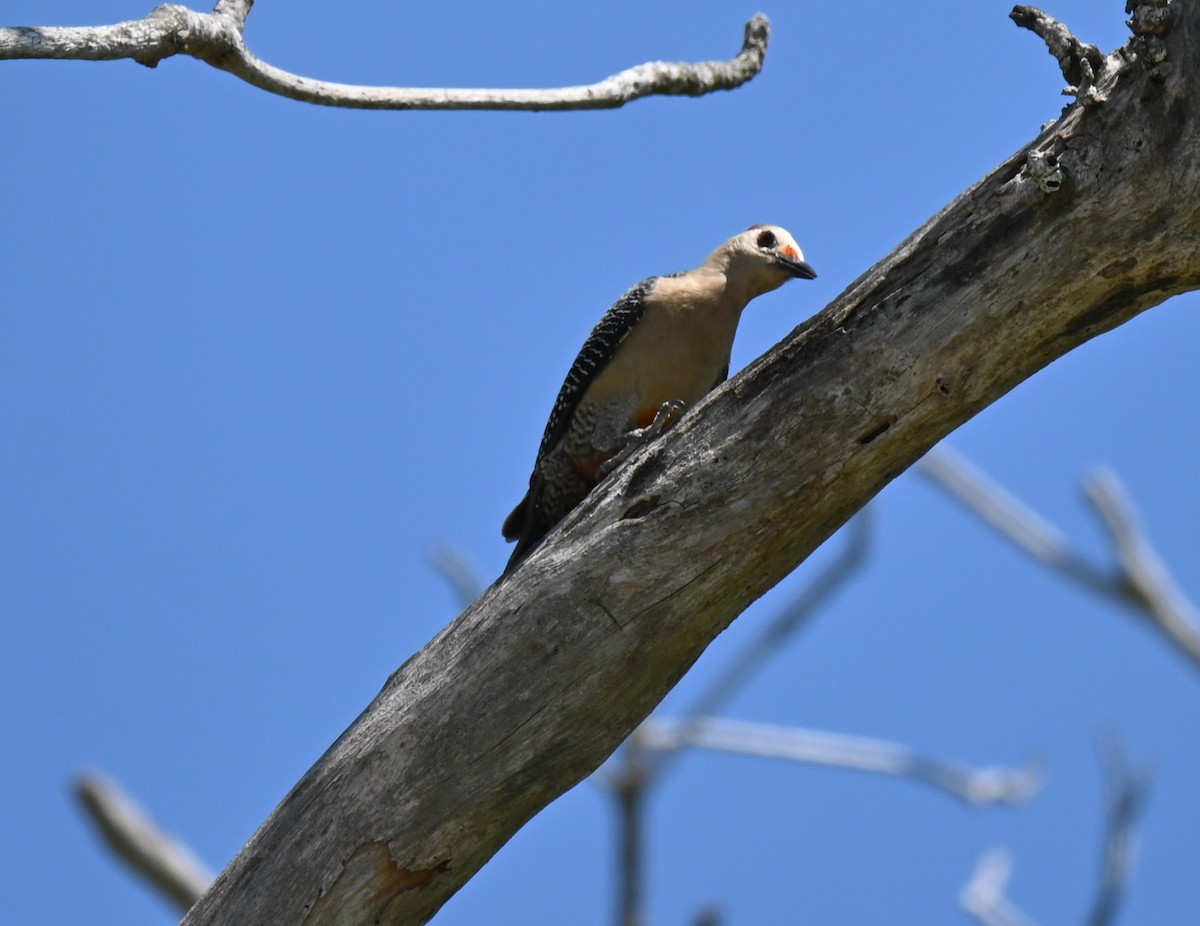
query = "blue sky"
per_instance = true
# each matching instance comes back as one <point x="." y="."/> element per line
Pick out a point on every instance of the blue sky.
<point x="258" y="359"/>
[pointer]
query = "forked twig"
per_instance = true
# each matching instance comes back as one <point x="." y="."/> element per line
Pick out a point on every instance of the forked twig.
<point x="1140" y="580"/>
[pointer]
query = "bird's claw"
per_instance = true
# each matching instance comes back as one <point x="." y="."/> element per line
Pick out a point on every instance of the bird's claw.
<point x="639" y="437"/>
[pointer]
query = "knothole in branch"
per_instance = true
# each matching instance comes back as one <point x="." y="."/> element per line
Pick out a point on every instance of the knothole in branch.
<point x="1045" y="170"/>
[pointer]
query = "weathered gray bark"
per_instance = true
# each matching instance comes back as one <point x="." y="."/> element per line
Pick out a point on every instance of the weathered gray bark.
<point x="217" y="38"/>
<point x="535" y="684"/>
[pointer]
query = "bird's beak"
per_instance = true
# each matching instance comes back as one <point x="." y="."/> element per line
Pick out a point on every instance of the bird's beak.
<point x="794" y="265"/>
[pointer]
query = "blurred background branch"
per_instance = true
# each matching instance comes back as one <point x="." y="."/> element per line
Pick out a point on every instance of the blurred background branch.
<point x="985" y="896"/>
<point x="167" y="866"/>
<point x="1138" y="579"/>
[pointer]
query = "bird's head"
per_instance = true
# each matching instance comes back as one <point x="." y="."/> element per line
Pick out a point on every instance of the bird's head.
<point x="762" y="258"/>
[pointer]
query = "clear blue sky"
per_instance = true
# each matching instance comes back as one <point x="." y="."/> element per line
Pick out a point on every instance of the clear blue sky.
<point x="258" y="358"/>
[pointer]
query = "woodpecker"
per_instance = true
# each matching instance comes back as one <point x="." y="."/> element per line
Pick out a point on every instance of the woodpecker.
<point x="662" y="347"/>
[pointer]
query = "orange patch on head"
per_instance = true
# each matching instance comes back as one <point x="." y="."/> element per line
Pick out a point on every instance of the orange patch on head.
<point x="788" y="251"/>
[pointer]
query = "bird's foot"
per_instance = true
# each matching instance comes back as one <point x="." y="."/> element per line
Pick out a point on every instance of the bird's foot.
<point x="639" y="437"/>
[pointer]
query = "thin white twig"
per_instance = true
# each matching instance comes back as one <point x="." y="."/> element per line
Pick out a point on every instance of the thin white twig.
<point x="985" y="896"/>
<point x="216" y="38"/>
<point x="453" y="566"/>
<point x="169" y="866"/>
<point x="972" y="786"/>
<point x="1141" y="580"/>
<point x="1146" y="581"/>
<point x="1011" y="517"/>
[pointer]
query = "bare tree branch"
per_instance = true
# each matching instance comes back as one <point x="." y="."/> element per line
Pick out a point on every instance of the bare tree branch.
<point x="553" y="667"/>
<point x="985" y="895"/>
<point x="1082" y="64"/>
<point x="791" y="619"/>
<point x="709" y="915"/>
<point x="217" y="39"/>
<point x="236" y="10"/>
<point x="972" y="786"/>
<point x="634" y="774"/>
<point x="165" y="863"/>
<point x="640" y="764"/>
<point x="630" y="783"/>
<point x="1145" y="579"/>
<point x="1127" y="793"/>
<point x="637" y="767"/>
<point x="1012" y="518"/>
<point x="458" y="571"/>
<point x="1140" y="581"/>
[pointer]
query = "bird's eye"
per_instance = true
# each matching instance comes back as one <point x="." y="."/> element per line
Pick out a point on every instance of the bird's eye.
<point x="766" y="239"/>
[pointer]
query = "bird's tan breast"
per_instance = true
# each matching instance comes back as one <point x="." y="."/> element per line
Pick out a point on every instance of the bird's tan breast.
<point x="678" y="350"/>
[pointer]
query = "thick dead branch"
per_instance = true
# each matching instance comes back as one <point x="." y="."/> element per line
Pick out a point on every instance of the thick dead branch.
<point x="216" y="38"/>
<point x="1141" y="579"/>
<point x="641" y="763"/>
<point x="165" y="863"/>
<point x="1082" y="64"/>
<point x="551" y="669"/>
<point x="1149" y="22"/>
<point x="791" y="619"/>
<point x="971" y="786"/>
